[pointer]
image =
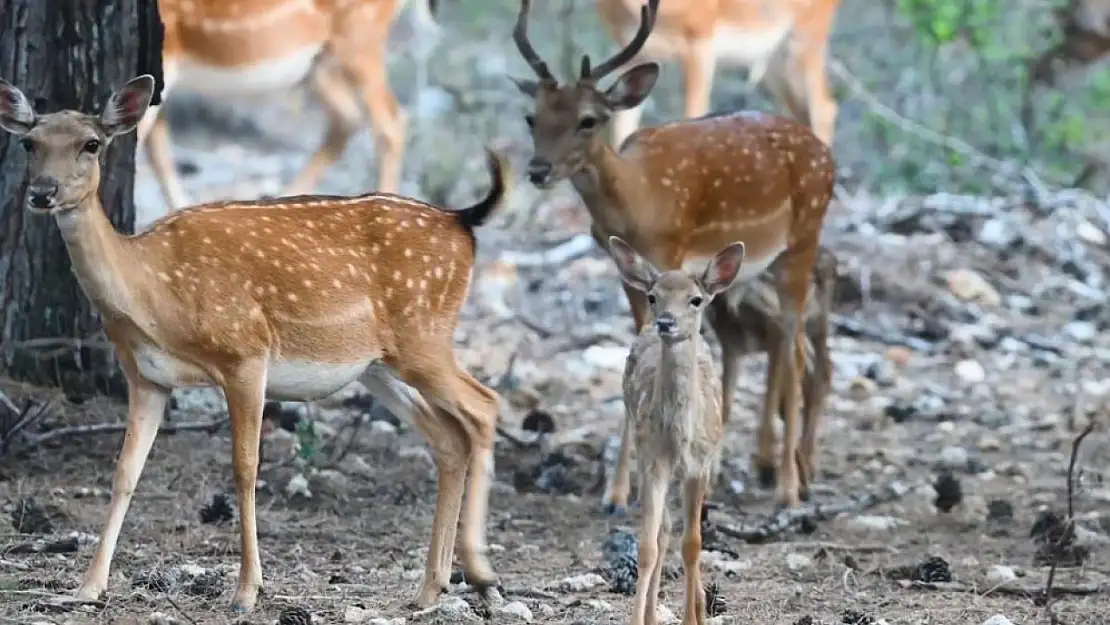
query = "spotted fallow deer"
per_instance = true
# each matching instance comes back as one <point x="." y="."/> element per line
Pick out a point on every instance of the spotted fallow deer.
<point x="782" y="43"/>
<point x="223" y="48"/>
<point x="672" y="402"/>
<point x="293" y="299"/>
<point x="679" y="192"/>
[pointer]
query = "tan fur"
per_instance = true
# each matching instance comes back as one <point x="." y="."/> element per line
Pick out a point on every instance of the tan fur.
<point x="680" y="191"/>
<point x="783" y="44"/>
<point x="673" y="405"/>
<point x="241" y="47"/>
<point x="293" y="298"/>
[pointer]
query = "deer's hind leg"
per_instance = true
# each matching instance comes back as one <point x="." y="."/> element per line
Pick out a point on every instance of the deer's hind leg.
<point x="344" y="116"/>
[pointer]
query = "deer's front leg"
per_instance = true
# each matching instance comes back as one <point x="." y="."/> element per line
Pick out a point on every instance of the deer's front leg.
<point x="653" y="493"/>
<point x="146" y="405"/>
<point x="615" y="500"/>
<point x="693" y="497"/>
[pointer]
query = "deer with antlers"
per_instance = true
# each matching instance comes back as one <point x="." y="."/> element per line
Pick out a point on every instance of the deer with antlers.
<point x="679" y="192"/>
<point x="241" y="47"/>
<point x="782" y="43"/>
<point x="293" y="299"/>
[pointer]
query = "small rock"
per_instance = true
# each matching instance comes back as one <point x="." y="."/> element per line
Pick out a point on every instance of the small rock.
<point x="356" y="614"/>
<point x="354" y="464"/>
<point x="606" y="357"/>
<point x="582" y="583"/>
<point x="515" y="610"/>
<point x="418" y="454"/>
<point x="453" y="609"/>
<point x="664" y="615"/>
<point x="598" y="605"/>
<point x="970" y="286"/>
<point x="990" y="443"/>
<point x="953" y="457"/>
<point x="1000" y="574"/>
<point x="546" y="610"/>
<point x="875" y="523"/>
<point x="860" y="388"/>
<point x="798" y="561"/>
<point x="899" y="356"/>
<point x="1090" y="233"/>
<point x="1082" y="331"/>
<point x="298" y="486"/>
<point x="998" y="619"/>
<point x="971" y="371"/>
<point x="400" y="620"/>
<point x="998" y="233"/>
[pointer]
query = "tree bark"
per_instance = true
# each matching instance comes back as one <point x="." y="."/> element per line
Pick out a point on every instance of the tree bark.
<point x="65" y="55"/>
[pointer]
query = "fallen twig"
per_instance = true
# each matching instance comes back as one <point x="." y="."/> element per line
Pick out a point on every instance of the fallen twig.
<point x="788" y="519"/>
<point x="576" y="246"/>
<point x="852" y="327"/>
<point x="1011" y="589"/>
<point x="106" y="428"/>
<point x="30" y="413"/>
<point x="1045" y="598"/>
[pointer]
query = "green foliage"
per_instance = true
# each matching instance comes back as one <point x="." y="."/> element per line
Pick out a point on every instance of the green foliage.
<point x="306" y="436"/>
<point x="943" y="21"/>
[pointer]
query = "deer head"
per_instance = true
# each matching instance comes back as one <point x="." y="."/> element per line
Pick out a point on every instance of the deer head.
<point x="64" y="148"/>
<point x="677" y="299"/>
<point x="569" y="120"/>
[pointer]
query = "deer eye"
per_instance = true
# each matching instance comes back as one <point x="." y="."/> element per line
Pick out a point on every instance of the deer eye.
<point x="651" y="298"/>
<point x="530" y="120"/>
<point x="587" y="123"/>
<point x="696" y="301"/>
<point x="27" y="144"/>
<point x="91" y="146"/>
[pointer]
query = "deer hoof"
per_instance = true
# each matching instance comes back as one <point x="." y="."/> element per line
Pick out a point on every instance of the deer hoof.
<point x="614" y="509"/>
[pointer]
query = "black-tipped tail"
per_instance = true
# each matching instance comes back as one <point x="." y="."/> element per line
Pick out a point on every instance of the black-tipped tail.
<point x="474" y="216"/>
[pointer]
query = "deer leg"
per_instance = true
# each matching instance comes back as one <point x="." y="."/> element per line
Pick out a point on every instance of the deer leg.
<point x="792" y="290"/>
<point x="653" y="492"/>
<point x="815" y="390"/>
<point x="146" y="404"/>
<point x="765" y="455"/>
<point x="154" y="134"/>
<point x="821" y="107"/>
<point x="387" y="119"/>
<point x="661" y="544"/>
<point x="699" y="64"/>
<point x="245" y="390"/>
<point x="451" y="450"/>
<point x="692" y="498"/>
<point x="615" y="500"/>
<point x="475" y="409"/>
<point x="344" y="115"/>
<point x="731" y="337"/>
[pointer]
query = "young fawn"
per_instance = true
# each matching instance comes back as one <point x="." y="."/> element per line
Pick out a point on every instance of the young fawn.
<point x="680" y="191"/>
<point x="291" y="299"/>
<point x="672" y="400"/>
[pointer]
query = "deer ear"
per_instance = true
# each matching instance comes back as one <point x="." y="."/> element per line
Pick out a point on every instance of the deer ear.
<point x="17" y="116"/>
<point x="635" y="271"/>
<point x="527" y="86"/>
<point x="723" y="269"/>
<point x="126" y="107"/>
<point x="633" y="86"/>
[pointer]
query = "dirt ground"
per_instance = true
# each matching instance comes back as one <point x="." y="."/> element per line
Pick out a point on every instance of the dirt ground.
<point x="968" y="348"/>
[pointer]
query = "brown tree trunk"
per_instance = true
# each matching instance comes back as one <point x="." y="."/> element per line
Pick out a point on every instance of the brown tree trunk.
<point x="65" y="55"/>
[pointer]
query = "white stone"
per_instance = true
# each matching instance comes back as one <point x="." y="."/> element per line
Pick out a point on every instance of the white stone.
<point x="606" y="357"/>
<point x="356" y="614"/>
<point x="798" y="561"/>
<point x="971" y="371"/>
<point x="1000" y="574"/>
<point x="998" y="619"/>
<point x="664" y="615"/>
<point x="516" y="610"/>
<point x="298" y="485"/>
<point x="582" y="583"/>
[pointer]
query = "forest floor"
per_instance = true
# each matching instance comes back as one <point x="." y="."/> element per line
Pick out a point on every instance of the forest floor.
<point x="969" y="350"/>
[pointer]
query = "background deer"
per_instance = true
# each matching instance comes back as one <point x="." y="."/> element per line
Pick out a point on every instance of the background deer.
<point x="673" y="402"/>
<point x="679" y="192"/>
<point x="241" y="47"/>
<point x="293" y="299"/>
<point x="782" y="43"/>
<point x="1086" y="26"/>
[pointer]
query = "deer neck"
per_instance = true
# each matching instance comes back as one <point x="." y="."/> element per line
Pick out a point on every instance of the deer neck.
<point x="98" y="256"/>
<point x="674" y="384"/>
<point x="608" y="185"/>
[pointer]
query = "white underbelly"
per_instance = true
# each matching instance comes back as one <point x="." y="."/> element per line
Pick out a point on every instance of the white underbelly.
<point x="265" y="76"/>
<point x="748" y="47"/>
<point x="167" y="370"/>
<point x="292" y="380"/>
<point x="749" y="270"/>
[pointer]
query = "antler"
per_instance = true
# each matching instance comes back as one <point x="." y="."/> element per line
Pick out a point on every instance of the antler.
<point x="520" y="36"/>
<point x="647" y="22"/>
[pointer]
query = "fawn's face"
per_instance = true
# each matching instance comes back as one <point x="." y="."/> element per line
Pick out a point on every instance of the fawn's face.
<point x="64" y="148"/>
<point x="677" y="299"/>
<point x="568" y="121"/>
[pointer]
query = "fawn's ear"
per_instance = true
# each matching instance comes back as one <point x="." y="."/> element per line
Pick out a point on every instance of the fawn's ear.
<point x="633" y="86"/>
<point x="17" y="116"/>
<point x="126" y="107"/>
<point x="723" y="269"/>
<point x="635" y="271"/>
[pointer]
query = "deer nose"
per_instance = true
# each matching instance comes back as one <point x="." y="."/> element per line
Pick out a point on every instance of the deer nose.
<point x="538" y="171"/>
<point x="665" y="323"/>
<point x="41" y="192"/>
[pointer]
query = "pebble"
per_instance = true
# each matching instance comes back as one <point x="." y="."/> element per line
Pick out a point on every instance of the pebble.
<point x="1000" y="574"/>
<point x="597" y="605"/>
<point x="798" y="561"/>
<point x="953" y="457"/>
<point x="1090" y="233"/>
<point x="582" y="583"/>
<point x="971" y="371"/>
<point x="356" y="614"/>
<point x="860" y="388"/>
<point x="606" y="357"/>
<point x="298" y="486"/>
<point x="970" y="286"/>
<point x="998" y="619"/>
<point x="990" y="443"/>
<point x="455" y="609"/>
<point x="516" y="610"/>
<point x="875" y="523"/>
<point x="1081" y="331"/>
<point x="400" y="620"/>
<point x="899" y="356"/>
<point x="664" y="615"/>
